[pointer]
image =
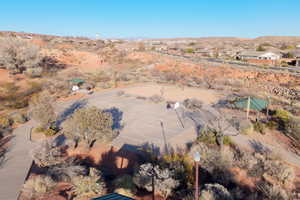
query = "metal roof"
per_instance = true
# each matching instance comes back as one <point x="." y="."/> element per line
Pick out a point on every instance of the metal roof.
<point x="113" y="196"/>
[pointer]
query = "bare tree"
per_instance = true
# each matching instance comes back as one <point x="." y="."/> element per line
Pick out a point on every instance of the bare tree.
<point x="18" y="55"/>
<point x="90" y="124"/>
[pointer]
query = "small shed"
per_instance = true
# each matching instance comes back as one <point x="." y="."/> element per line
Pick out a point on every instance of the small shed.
<point x="255" y="103"/>
<point x="113" y="196"/>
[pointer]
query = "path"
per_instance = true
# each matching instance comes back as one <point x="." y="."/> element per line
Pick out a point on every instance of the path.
<point x="15" y="169"/>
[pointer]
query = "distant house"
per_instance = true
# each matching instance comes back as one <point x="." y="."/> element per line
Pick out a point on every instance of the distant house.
<point x="259" y="57"/>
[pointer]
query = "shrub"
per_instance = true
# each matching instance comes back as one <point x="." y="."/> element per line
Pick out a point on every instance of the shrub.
<point x="49" y="132"/>
<point x="46" y="153"/>
<point x="88" y="186"/>
<point x="192" y="104"/>
<point x="19" y="118"/>
<point x="37" y="186"/>
<point x="156" y="98"/>
<point x="18" y="55"/>
<point x="215" y="192"/>
<point x="292" y="128"/>
<point x="164" y="181"/>
<point x="259" y="127"/>
<point x="34" y="72"/>
<point x="273" y="192"/>
<point x="90" y="124"/>
<point x="42" y="110"/>
<point x="66" y="171"/>
<point x="182" y="165"/>
<point x="5" y="121"/>
<point x="126" y="183"/>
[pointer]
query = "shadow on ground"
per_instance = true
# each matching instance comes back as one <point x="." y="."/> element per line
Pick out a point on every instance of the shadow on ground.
<point x="69" y="111"/>
<point x="117" y="116"/>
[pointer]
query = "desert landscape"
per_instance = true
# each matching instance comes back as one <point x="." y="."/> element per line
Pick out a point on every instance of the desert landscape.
<point x="170" y="118"/>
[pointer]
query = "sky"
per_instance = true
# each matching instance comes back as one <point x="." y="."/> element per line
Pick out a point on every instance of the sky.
<point x="152" y="18"/>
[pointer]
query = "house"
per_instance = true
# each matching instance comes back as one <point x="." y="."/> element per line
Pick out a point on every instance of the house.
<point x="259" y="57"/>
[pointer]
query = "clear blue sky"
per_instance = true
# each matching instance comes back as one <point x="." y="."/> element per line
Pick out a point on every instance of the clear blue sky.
<point x="152" y="18"/>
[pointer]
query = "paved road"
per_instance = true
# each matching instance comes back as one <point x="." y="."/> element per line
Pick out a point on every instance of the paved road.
<point x="237" y="64"/>
<point x="15" y="169"/>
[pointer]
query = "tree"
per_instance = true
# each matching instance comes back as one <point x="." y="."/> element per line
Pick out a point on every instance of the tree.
<point x="90" y="124"/>
<point x="18" y="55"/>
<point x="42" y="110"/>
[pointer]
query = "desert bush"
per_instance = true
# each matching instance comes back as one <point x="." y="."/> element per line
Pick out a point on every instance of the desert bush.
<point x="192" y="104"/>
<point x="46" y="153"/>
<point x="49" y="132"/>
<point x="88" y="186"/>
<point x="282" y="173"/>
<point x="209" y="137"/>
<point x="42" y="110"/>
<point x="282" y="115"/>
<point x="18" y="55"/>
<point x="182" y="165"/>
<point x="5" y="121"/>
<point x="34" y="72"/>
<point x="126" y="183"/>
<point x="215" y="192"/>
<point x="164" y="182"/>
<point x="292" y="128"/>
<point x="156" y="98"/>
<point x="259" y="127"/>
<point x="272" y="192"/>
<point x="19" y="117"/>
<point x="66" y="171"/>
<point x="37" y="186"/>
<point x="90" y="124"/>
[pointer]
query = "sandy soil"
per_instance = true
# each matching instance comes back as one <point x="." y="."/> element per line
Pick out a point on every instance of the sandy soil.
<point x="174" y="93"/>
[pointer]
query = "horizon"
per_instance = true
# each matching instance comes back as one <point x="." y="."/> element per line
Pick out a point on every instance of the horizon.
<point x="153" y="20"/>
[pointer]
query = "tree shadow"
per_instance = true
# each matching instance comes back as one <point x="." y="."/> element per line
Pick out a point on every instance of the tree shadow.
<point x="259" y="147"/>
<point x="69" y="111"/>
<point x="117" y="116"/>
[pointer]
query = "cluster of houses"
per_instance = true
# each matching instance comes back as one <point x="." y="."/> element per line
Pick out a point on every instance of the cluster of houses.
<point x="227" y="50"/>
